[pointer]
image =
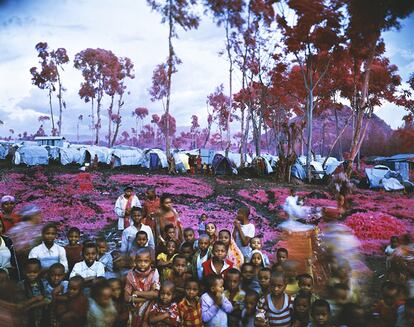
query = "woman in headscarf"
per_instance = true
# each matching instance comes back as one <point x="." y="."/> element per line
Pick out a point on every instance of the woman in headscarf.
<point x="7" y="216"/>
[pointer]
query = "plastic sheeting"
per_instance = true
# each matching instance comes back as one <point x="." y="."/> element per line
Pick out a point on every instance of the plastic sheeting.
<point x="31" y="156"/>
<point x="392" y="184"/>
<point x="88" y="154"/>
<point x="162" y="158"/>
<point x="126" y="157"/>
<point x="70" y="156"/>
<point x="297" y="171"/>
<point x="375" y="175"/>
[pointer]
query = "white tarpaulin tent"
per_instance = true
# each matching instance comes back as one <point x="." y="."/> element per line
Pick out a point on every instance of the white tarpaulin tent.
<point x="181" y="161"/>
<point x="31" y="156"/>
<point x="4" y="150"/>
<point x="375" y="175"/>
<point x="88" y="154"/>
<point x="392" y="184"/>
<point x="126" y="157"/>
<point x="154" y="158"/>
<point x="53" y="151"/>
<point x="70" y="155"/>
<point x="234" y="158"/>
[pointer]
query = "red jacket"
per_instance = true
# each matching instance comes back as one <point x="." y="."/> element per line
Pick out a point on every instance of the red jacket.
<point x="208" y="268"/>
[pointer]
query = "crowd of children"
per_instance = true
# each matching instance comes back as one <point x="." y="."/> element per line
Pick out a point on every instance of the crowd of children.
<point x="170" y="277"/>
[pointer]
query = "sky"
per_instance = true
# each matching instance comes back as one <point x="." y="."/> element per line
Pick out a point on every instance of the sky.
<point x="128" y="28"/>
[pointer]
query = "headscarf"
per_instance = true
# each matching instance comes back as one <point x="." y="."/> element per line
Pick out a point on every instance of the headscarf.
<point x="261" y="254"/>
<point x="29" y="210"/>
<point x="7" y="198"/>
<point x="235" y="255"/>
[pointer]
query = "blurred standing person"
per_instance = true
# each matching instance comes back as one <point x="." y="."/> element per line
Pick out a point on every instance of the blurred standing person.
<point x="27" y="233"/>
<point x="8" y="260"/>
<point x="7" y="216"/>
<point x="123" y="206"/>
<point x="171" y="165"/>
<point x="199" y="163"/>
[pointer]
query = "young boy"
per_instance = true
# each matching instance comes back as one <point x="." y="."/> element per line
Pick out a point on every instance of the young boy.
<point x="89" y="268"/>
<point x="164" y="312"/>
<point x="249" y="311"/>
<point x="256" y="244"/>
<point x="264" y="276"/>
<point x="305" y="283"/>
<point x="123" y="206"/>
<point x="214" y="305"/>
<point x="48" y="252"/>
<point x="275" y="308"/>
<point x="190" y="307"/>
<point x="178" y="275"/>
<point x="189" y="235"/>
<point x="387" y="307"/>
<point x="321" y="314"/>
<point x="129" y="233"/>
<point x="249" y="278"/>
<point x="243" y="230"/>
<point x="187" y="251"/>
<point x="218" y="264"/>
<point x="281" y="255"/>
<point x="105" y="257"/>
<point x="73" y="249"/>
<point x="202" y="224"/>
<point x="235" y="295"/>
<point x="202" y="255"/>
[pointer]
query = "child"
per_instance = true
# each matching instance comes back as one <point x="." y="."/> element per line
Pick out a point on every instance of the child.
<point x="118" y="300"/>
<point x="72" y="307"/>
<point x="202" y="224"/>
<point x="187" y="251"/>
<point x="390" y="249"/>
<point x="73" y="249"/>
<point x="124" y="205"/>
<point x="164" y="260"/>
<point x="352" y="315"/>
<point x="281" y="255"/>
<point x="275" y="308"/>
<point x="170" y="235"/>
<point x="129" y="233"/>
<point x="189" y="307"/>
<point x="178" y="275"/>
<point x="301" y="310"/>
<point x="101" y="311"/>
<point x="164" y="312"/>
<point x="387" y="307"/>
<point x="55" y="283"/>
<point x="257" y="261"/>
<point x="48" y="252"/>
<point x="218" y="264"/>
<point x="150" y="208"/>
<point x="214" y="305"/>
<point x="339" y="295"/>
<point x="256" y="244"/>
<point x="249" y="278"/>
<point x="243" y="230"/>
<point x="235" y="295"/>
<point x="89" y="268"/>
<point x="305" y="283"/>
<point x="141" y="241"/>
<point x="234" y="254"/>
<point x="33" y="291"/>
<point x="104" y="256"/>
<point x="142" y="285"/>
<point x="321" y="314"/>
<point x="211" y="231"/>
<point x="189" y="235"/>
<point x="249" y="311"/>
<point x="264" y="280"/>
<point x="202" y="255"/>
<point x="406" y="314"/>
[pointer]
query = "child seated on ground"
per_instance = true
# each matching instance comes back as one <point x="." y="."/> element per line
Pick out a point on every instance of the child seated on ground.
<point x="165" y="259"/>
<point x="235" y="295"/>
<point x="249" y="278"/>
<point x="214" y="305"/>
<point x="190" y="307"/>
<point x="178" y="275"/>
<point x="89" y="268"/>
<point x="321" y="314"/>
<point x="264" y="276"/>
<point x="164" y="312"/>
<point x="301" y="310"/>
<point x="305" y="283"/>
<point x="249" y="311"/>
<point x="202" y="255"/>
<point x="142" y="285"/>
<point x="73" y="249"/>
<point x="101" y="310"/>
<point x="104" y="256"/>
<point x="48" y="252"/>
<point x="119" y="303"/>
<point x="72" y="307"/>
<point x="256" y="244"/>
<point x="275" y="309"/>
<point x="218" y="264"/>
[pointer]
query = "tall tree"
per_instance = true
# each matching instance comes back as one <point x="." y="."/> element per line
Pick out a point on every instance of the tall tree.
<point x="174" y="13"/>
<point x="221" y="111"/>
<point x="139" y="113"/>
<point x="51" y="61"/>
<point x="312" y="38"/>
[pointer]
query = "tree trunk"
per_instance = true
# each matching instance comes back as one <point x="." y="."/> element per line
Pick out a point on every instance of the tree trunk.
<point x="110" y="120"/>
<point x="77" y="131"/>
<point x="118" y="122"/>
<point x="52" y="118"/>
<point x="93" y="120"/>
<point x="60" y="103"/>
<point x="309" y="133"/>
<point x="169" y="76"/>
<point x="98" y="122"/>
<point x="228" y="48"/>
<point x="338" y="138"/>
<point x="341" y="157"/>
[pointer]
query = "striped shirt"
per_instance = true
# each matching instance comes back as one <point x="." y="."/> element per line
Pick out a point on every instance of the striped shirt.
<point x="274" y="317"/>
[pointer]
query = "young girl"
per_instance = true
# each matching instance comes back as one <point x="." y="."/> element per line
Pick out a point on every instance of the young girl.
<point x="256" y="244"/>
<point x="178" y="276"/>
<point x="305" y="283"/>
<point x="73" y="249"/>
<point x="257" y="261"/>
<point x="234" y="254"/>
<point x="164" y="312"/>
<point x="142" y="285"/>
<point x="101" y="311"/>
<point x="164" y="260"/>
<point x="301" y="310"/>
<point x="89" y="268"/>
<point x="202" y="255"/>
<point x="168" y="215"/>
<point x="104" y="256"/>
<point x="214" y="305"/>
<point x="211" y="231"/>
<point x="118" y="300"/>
<point x="48" y="252"/>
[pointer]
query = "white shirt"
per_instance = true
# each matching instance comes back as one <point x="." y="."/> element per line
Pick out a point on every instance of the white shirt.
<point x="50" y="256"/>
<point x="120" y="206"/>
<point x="128" y="237"/>
<point x="5" y="255"/>
<point x="200" y="261"/>
<point x="82" y="269"/>
<point x="249" y="231"/>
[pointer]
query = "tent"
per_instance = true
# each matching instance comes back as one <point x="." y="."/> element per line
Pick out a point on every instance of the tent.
<point x="125" y="157"/>
<point x="31" y="156"/>
<point x="154" y="159"/>
<point x="54" y="151"/>
<point x="181" y="162"/>
<point x="233" y="157"/>
<point x="88" y="154"/>
<point x="70" y="155"/>
<point x="298" y="171"/>
<point x="375" y="175"/>
<point x="271" y="159"/>
<point x="4" y="150"/>
<point x="262" y="166"/>
<point x="222" y="165"/>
